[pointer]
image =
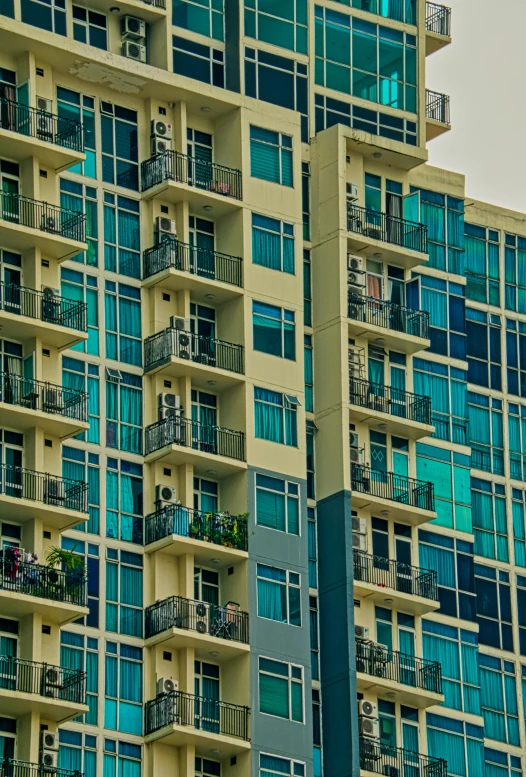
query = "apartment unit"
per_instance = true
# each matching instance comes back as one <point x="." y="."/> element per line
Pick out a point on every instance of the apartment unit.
<point x="257" y="492"/>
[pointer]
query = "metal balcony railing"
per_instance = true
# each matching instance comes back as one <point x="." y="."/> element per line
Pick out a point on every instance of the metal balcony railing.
<point x="191" y="259"/>
<point x="42" y="487"/>
<point x="174" y="166"/>
<point x="185" y="709"/>
<point x="180" y="613"/>
<point x="206" y="438"/>
<point x="387" y="573"/>
<point x="43" y="582"/>
<point x="34" y="214"/>
<point x="437" y="107"/>
<point x="186" y="345"/>
<point x="10" y="767"/>
<point x="389" y="485"/>
<point x="389" y="229"/>
<point x="47" y="307"/>
<point x="386" y="399"/>
<point x="47" y="397"/>
<point x="54" y="682"/>
<point x="381" y="758"/>
<point x="34" y="123"/>
<point x="217" y="528"/>
<point x="438" y="19"/>
<point x="379" y="661"/>
<point x="388" y="315"/>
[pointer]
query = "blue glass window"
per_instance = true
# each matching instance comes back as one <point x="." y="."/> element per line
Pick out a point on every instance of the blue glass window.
<point x="80" y="652"/>
<point x="83" y="288"/>
<point x="279" y="595"/>
<point x="124" y="500"/>
<point x="90" y="27"/>
<point x="484" y="349"/>
<point x="122" y="306"/>
<point x="124" y="412"/>
<point x="488" y="501"/>
<point x="482" y="264"/>
<point x="71" y="753"/>
<point x="486" y="433"/>
<point x="274" y="330"/>
<point x="493" y="607"/>
<point x="272" y="243"/>
<point x="81" y="108"/>
<point x="197" y="61"/>
<point x="275" y="416"/>
<point x="122" y="235"/>
<point x="83" y="199"/>
<point x="400" y="11"/>
<point x="50" y="15"/>
<point x="270" y="156"/>
<point x="514" y="273"/>
<point x="120" y="153"/>
<point x="283" y="24"/>
<point x="74" y="468"/>
<point x="499" y="699"/>
<point x="124" y="593"/>
<point x="205" y="17"/>
<point x="444" y="217"/>
<point x="123" y="691"/>
<point x="277" y="504"/>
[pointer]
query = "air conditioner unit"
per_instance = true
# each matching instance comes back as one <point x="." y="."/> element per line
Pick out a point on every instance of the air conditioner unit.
<point x="52" y="399"/>
<point x="160" y="146"/>
<point x="166" y="685"/>
<point x="356" y="281"/>
<point x="132" y="28"/>
<point x="355" y="263"/>
<point x="134" y="50"/>
<point x="43" y="104"/>
<point x="54" y="494"/>
<point x="361" y="632"/>
<point x="169" y="400"/>
<point x="368" y="709"/>
<point x="49" y="223"/>
<point x="49" y="292"/>
<point x="356" y="456"/>
<point x="359" y="542"/>
<point x="370" y="727"/>
<point x="359" y="525"/>
<point x="49" y="759"/>
<point x="165" y="494"/>
<point x="161" y="129"/>
<point x="354" y="439"/>
<point x="44" y="118"/>
<point x="176" y="322"/>
<point x="352" y="191"/>
<point x="49" y="740"/>
<point x="165" y="226"/>
<point x="53" y="674"/>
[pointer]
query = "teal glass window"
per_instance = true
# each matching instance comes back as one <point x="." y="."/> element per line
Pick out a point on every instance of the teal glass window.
<point x="329" y="112"/>
<point x="279" y="594"/>
<point x="447" y="387"/>
<point x="7" y="8"/>
<point x="124" y="592"/>
<point x="270" y="156"/>
<point x="399" y="10"/>
<point x="282" y="24"/>
<point x="311" y="475"/>
<point x="450" y="475"/>
<point x="80" y="652"/>
<point x="90" y="27"/>
<point x="307" y="356"/>
<point x="124" y="411"/>
<point x="275" y="416"/>
<point x="461" y="742"/>
<point x="458" y="655"/>
<point x="519" y="526"/>
<point x="120" y="153"/>
<point x="488" y="501"/>
<point x="281" y="689"/>
<point x="313" y="547"/>
<point x="482" y="264"/>
<point x="305" y="199"/>
<point x="274" y="330"/>
<point x="484" y="350"/>
<point x="277" y="504"/>
<point x="272" y="243"/>
<point x="123" y="689"/>
<point x="486" y="434"/>
<point x="122" y="304"/>
<point x="83" y="199"/>
<point x="194" y="60"/>
<point x="72" y="755"/>
<point x="444" y="217"/>
<point x="273" y="766"/>
<point x="80" y="376"/>
<point x="205" y="17"/>
<point x="447" y="317"/>
<point x="494" y="607"/>
<point x="124" y="500"/>
<point x="498" y="690"/>
<point x="81" y="108"/>
<point x="515" y="273"/>
<point x="74" y="467"/>
<point x="122" y="235"/>
<point x="515" y="352"/>
<point x="50" y="15"/>
<point x="307" y="289"/>
<point x="122" y="759"/>
<point x="79" y="287"/>
<point x="497" y="762"/>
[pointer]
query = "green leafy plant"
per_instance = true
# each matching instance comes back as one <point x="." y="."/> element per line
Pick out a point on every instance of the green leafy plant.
<point x="68" y="558"/>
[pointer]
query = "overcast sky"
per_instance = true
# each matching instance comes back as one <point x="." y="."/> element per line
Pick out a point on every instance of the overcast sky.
<point x="484" y="72"/>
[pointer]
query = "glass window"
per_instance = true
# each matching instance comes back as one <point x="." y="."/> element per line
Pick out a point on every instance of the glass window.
<point x="447" y="388"/>
<point x="274" y="330"/>
<point x="74" y="468"/>
<point x="282" y="25"/>
<point x="272" y="243"/>
<point x="124" y="592"/>
<point x="124" y="500"/>
<point x="329" y="112"/>
<point x="484" y="350"/>
<point x="486" y="434"/>
<point x="515" y="354"/>
<point x="120" y="154"/>
<point x="274" y="766"/>
<point x="281" y="689"/>
<point x="493" y="607"/>
<point x="277" y="504"/>
<point x="205" y="18"/>
<point x="80" y="652"/>
<point x="313" y="551"/>
<point x="459" y="659"/>
<point x="391" y="9"/>
<point x="81" y="108"/>
<point x="461" y="742"/>
<point x="307" y="289"/>
<point x="270" y="156"/>
<point x="74" y="377"/>
<point x="453" y="562"/>
<point x="275" y="416"/>
<point x="124" y="412"/>
<point x="122" y="306"/>
<point x="122" y="235"/>
<point x="77" y="751"/>
<point x="81" y="287"/>
<point x="514" y="273"/>
<point x="50" y="15"/>
<point x="444" y="217"/>
<point x="90" y="27"/>
<point x="121" y="758"/>
<point x="123" y="691"/>
<point x="279" y="595"/>
<point x="498" y="690"/>
<point x="447" y="316"/>
<point x="194" y="60"/>
<point x="83" y="199"/>
<point x="307" y="356"/>
<point x="489" y="519"/>
<point x="482" y="264"/>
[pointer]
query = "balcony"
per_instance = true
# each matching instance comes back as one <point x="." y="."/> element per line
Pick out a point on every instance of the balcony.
<point x="411" y="589"/>
<point x="149" y="10"/>
<point x="181" y="440"/>
<point x="25" y="494"/>
<point x="56" y="693"/>
<point x="398" y="495"/>
<point x="416" y="682"/>
<point x="26" y="132"/>
<point x="180" y="623"/>
<point x="175" y="177"/>
<point x="26" y="313"/>
<point x="27" y="223"/>
<point x="176" y="353"/>
<point x="12" y="768"/>
<point x="203" y="271"/>
<point x="26" y="403"/>
<point x="438" y="27"/>
<point x="387" y="323"/>
<point x="437" y="114"/>
<point x="380" y="758"/>
<point x="399" y="240"/>
<point x="178" y="530"/>
<point x="59" y="596"/>
<point x="405" y="414"/>
<point x="184" y="719"/>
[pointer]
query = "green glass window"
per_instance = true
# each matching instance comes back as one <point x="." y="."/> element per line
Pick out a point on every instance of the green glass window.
<point x="123" y="693"/>
<point x="281" y="689"/>
<point x="282" y="24"/>
<point x="124" y="411"/>
<point x="277" y="504"/>
<point x="83" y="288"/>
<point x="122" y="306"/>
<point x="124" y="500"/>
<point x="205" y="17"/>
<point x="275" y="416"/>
<point x="122" y="235"/>
<point x="83" y="199"/>
<point x="124" y="596"/>
<point x="399" y="10"/>
<point x="80" y="652"/>
<point x="279" y="595"/>
<point x="272" y="243"/>
<point x="50" y="15"/>
<point x="81" y="108"/>
<point x="74" y="377"/>
<point x="274" y="330"/>
<point x="270" y="156"/>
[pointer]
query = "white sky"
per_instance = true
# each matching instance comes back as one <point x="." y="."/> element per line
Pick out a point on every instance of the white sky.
<point x="484" y="72"/>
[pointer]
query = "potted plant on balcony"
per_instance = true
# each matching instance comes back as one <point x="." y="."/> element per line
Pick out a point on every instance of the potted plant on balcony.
<point x="67" y="586"/>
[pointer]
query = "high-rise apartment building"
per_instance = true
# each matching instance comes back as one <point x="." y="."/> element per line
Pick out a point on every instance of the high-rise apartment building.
<point x="262" y="398"/>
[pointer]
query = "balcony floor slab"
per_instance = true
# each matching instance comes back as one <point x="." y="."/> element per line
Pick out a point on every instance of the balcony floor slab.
<point x="397" y="425"/>
<point x="203" y="644"/>
<point x="368" y="246"/>
<point x="203" y="741"/>
<point x="16" y="703"/>
<point x="177" y="280"/>
<point x="203" y="551"/>
<point x="53" y="516"/>
<point x="200" y="373"/>
<point x="16" y="604"/>
<point x="201" y="461"/>
<point x="407" y="602"/>
<point x="20" y="238"/>
<point x="405" y="694"/>
<point x="177" y="191"/>
<point x="54" y="424"/>
<point x="17" y="146"/>
<point x="391" y="339"/>
<point x="25" y="328"/>
<point x="397" y="511"/>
